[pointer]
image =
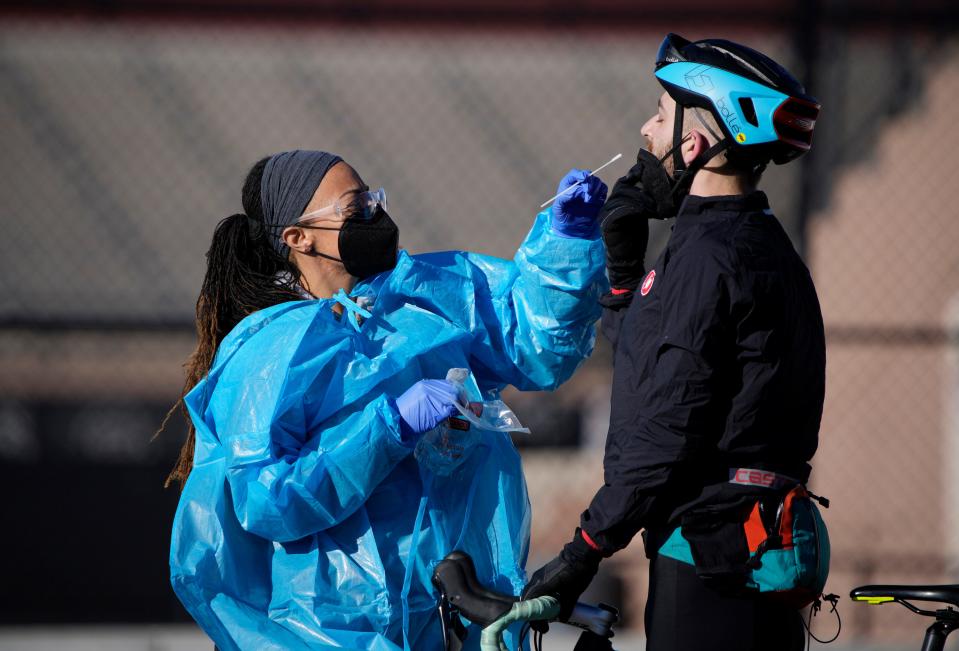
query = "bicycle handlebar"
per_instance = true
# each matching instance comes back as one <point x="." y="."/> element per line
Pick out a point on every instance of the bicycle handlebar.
<point x="455" y="578"/>
<point x="537" y="608"/>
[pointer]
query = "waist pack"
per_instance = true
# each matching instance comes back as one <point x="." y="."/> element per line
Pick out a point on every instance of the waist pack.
<point x="777" y="546"/>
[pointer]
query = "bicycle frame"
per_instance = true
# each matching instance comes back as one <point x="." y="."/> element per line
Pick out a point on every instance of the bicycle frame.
<point x="936" y="635"/>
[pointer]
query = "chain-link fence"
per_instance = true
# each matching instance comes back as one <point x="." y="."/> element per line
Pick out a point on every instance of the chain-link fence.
<point x="125" y="141"/>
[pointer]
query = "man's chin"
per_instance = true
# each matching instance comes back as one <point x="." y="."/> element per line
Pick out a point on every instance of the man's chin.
<point x="668" y="163"/>
<point x="657" y="154"/>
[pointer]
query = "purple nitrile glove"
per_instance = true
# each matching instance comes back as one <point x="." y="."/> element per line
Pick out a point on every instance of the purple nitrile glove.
<point x="574" y="214"/>
<point x="424" y="406"/>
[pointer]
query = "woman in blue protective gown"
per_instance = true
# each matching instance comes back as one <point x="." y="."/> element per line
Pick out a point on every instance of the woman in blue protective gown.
<point x="313" y="509"/>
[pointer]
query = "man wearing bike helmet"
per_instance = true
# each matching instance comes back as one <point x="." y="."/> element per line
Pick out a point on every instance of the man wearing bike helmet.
<point x="719" y="352"/>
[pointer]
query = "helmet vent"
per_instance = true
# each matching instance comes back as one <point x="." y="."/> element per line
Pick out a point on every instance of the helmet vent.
<point x="749" y="111"/>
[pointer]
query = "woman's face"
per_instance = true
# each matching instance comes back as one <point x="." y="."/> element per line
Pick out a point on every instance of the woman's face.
<point x="340" y="185"/>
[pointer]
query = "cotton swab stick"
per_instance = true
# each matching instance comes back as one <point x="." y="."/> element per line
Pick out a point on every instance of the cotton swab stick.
<point x="607" y="164"/>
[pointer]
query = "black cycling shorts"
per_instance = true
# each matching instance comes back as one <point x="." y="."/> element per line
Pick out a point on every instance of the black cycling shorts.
<point x="682" y="614"/>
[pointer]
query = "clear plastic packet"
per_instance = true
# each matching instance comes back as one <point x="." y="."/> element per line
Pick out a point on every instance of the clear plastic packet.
<point x="491" y="415"/>
<point x="495" y="417"/>
<point x="446" y="446"/>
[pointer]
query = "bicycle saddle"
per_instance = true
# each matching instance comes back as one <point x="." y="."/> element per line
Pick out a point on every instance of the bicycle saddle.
<point x="879" y="594"/>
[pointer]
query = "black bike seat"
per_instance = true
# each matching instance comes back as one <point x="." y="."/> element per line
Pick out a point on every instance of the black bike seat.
<point x="879" y="594"/>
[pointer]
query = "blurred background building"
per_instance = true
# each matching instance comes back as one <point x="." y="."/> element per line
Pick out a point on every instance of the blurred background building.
<point x="128" y="127"/>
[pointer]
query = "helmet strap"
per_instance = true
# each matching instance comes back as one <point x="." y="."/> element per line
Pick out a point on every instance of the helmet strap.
<point x="682" y="182"/>
<point x="679" y="165"/>
<point x="682" y="176"/>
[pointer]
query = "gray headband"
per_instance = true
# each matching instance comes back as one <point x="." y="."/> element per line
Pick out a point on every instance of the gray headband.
<point x="289" y="181"/>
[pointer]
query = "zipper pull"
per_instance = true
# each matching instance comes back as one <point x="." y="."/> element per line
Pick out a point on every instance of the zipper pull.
<point x="822" y="500"/>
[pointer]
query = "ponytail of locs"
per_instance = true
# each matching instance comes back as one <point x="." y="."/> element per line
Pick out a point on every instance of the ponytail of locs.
<point x="243" y="274"/>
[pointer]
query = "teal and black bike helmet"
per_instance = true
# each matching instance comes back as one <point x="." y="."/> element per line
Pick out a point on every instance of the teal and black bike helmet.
<point x="763" y="110"/>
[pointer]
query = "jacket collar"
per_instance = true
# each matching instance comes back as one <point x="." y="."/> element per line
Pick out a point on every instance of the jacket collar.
<point x="693" y="206"/>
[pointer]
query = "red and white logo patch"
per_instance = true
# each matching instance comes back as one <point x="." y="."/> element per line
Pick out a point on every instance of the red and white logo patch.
<point x="648" y="282"/>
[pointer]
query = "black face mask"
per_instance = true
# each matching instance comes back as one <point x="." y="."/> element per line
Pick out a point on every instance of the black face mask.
<point x="659" y="184"/>
<point x="367" y="247"/>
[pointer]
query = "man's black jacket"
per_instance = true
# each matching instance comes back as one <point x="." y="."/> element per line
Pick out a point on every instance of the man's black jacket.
<point x="719" y="363"/>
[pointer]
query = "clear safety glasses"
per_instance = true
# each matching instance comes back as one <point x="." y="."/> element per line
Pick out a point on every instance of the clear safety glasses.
<point x="362" y="206"/>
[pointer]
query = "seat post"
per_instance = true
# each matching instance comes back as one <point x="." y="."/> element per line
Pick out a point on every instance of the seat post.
<point x="936" y="635"/>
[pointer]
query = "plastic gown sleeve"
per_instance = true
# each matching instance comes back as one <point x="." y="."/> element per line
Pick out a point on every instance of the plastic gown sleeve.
<point x="540" y="323"/>
<point x="648" y="443"/>
<point x="284" y="495"/>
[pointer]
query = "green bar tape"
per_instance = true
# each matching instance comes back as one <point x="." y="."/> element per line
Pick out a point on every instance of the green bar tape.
<point x="522" y="611"/>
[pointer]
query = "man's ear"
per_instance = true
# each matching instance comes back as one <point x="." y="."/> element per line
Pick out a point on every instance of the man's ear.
<point x="298" y="239"/>
<point x="695" y="145"/>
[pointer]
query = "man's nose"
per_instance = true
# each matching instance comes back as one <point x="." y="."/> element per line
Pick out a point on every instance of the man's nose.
<point x="645" y="130"/>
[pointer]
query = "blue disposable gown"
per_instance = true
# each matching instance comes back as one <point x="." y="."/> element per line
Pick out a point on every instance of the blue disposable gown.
<point x="306" y="523"/>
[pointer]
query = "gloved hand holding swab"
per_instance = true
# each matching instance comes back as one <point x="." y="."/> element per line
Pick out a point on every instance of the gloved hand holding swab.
<point x="603" y="166"/>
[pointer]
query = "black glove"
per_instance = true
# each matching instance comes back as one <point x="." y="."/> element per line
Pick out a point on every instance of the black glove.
<point x="566" y="576"/>
<point x="644" y="193"/>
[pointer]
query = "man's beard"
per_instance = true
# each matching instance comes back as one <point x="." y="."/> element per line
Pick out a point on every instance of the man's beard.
<point x="660" y="152"/>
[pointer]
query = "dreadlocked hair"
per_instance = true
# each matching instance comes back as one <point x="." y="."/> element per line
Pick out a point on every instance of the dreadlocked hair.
<point x="243" y="274"/>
